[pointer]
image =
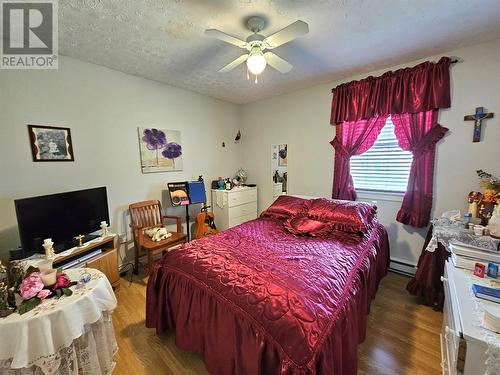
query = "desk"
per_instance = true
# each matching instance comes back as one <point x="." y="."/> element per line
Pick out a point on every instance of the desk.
<point x="72" y="335"/>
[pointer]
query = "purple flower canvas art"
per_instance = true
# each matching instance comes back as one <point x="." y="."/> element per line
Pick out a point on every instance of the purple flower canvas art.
<point x="155" y="139"/>
<point x="161" y="150"/>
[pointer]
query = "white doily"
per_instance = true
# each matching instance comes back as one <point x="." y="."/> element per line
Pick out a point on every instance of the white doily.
<point x="444" y="232"/>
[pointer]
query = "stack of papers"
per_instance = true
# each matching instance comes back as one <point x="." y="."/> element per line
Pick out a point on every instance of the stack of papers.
<point x="492" y="318"/>
<point x="466" y="256"/>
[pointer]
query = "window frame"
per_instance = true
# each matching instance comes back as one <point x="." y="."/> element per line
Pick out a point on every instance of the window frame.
<point x="382" y="194"/>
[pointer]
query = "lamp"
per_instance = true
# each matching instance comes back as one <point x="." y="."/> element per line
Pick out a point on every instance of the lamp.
<point x="256" y="62"/>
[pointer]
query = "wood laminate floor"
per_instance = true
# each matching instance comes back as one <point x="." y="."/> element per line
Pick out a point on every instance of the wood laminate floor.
<point x="402" y="337"/>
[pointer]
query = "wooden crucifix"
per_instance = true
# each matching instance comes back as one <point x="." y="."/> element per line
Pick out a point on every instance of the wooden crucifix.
<point x="478" y="117"/>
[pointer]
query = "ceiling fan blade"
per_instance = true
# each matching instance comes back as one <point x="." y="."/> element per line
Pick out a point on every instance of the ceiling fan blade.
<point x="277" y="62"/>
<point x="233" y="64"/>
<point x="292" y="31"/>
<point x="214" y="33"/>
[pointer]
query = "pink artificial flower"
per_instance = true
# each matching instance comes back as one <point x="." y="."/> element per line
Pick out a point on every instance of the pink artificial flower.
<point x="44" y="293"/>
<point x="62" y="281"/>
<point x="30" y="286"/>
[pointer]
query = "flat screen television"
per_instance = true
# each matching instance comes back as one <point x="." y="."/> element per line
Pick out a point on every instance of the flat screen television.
<point x="60" y="217"/>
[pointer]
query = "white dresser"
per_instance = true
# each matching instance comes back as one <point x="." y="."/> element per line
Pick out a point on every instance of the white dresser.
<point x="277" y="190"/>
<point x="234" y="207"/>
<point x="463" y="343"/>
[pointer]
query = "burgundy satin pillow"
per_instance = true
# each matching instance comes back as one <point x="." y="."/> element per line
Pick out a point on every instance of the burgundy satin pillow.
<point x="286" y="206"/>
<point x="348" y="216"/>
<point x="302" y="225"/>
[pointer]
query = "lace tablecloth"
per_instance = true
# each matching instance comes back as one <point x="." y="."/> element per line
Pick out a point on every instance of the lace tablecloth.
<point x="445" y="231"/>
<point x="72" y="335"/>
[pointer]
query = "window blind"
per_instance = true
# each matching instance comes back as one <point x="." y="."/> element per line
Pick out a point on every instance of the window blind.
<point x="385" y="166"/>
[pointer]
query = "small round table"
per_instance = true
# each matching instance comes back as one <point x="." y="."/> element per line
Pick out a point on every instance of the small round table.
<point x="71" y="335"/>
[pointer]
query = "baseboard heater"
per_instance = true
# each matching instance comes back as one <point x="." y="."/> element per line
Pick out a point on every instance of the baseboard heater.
<point x="404" y="268"/>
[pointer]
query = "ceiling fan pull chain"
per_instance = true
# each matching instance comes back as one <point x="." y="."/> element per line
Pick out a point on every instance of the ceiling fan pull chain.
<point x="256" y="80"/>
<point x="248" y="75"/>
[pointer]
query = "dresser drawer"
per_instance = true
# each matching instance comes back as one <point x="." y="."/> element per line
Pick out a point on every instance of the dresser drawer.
<point x="450" y="332"/>
<point x="233" y="221"/>
<point x="241" y="197"/>
<point x="243" y="209"/>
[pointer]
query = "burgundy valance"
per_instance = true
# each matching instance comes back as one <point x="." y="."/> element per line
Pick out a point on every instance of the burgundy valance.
<point x="410" y="90"/>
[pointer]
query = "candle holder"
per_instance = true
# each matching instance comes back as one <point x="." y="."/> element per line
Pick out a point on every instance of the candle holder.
<point x="49" y="249"/>
<point x="104" y="229"/>
<point x="48" y="277"/>
<point x="45" y="265"/>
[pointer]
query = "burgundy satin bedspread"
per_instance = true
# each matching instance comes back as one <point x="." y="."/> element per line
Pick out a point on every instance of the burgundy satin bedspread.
<point x="256" y="299"/>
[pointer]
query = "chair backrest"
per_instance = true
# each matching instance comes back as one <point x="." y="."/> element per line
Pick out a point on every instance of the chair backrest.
<point x="146" y="214"/>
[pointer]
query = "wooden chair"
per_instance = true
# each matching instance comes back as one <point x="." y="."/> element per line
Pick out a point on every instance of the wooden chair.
<point x="145" y="215"/>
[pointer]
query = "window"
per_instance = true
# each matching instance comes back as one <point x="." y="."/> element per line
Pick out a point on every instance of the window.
<point x="385" y="166"/>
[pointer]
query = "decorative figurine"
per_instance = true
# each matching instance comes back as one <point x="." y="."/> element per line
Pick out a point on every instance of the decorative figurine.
<point x="491" y="196"/>
<point x="474" y="198"/>
<point x="79" y="238"/>
<point x="49" y="249"/>
<point x="494" y="223"/>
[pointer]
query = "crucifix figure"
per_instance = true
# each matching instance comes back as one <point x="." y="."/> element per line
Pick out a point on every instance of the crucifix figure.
<point x="478" y="117"/>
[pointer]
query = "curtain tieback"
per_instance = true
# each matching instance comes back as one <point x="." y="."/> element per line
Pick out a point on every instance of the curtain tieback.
<point x="428" y="142"/>
<point x="339" y="148"/>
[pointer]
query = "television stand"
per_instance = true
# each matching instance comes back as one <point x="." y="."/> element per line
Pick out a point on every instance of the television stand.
<point x="90" y="237"/>
<point x="106" y="261"/>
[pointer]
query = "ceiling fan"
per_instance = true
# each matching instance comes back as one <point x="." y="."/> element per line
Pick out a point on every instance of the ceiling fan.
<point x="256" y="44"/>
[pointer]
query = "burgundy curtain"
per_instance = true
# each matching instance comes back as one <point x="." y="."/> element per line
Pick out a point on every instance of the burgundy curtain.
<point x="352" y="138"/>
<point x="412" y="97"/>
<point x="418" y="133"/>
<point x="410" y="90"/>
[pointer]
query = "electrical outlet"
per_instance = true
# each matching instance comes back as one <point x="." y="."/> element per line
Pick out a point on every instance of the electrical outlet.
<point x="122" y="237"/>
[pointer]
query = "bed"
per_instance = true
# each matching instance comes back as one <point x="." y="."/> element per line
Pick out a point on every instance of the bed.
<point x="257" y="299"/>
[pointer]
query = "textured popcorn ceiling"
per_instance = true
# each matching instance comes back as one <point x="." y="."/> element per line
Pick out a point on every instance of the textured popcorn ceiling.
<point x="163" y="40"/>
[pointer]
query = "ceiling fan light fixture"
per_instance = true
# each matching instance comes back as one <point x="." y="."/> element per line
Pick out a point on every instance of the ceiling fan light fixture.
<point x="256" y="63"/>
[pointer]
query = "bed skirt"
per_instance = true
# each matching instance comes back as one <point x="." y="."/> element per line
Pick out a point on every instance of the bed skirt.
<point x="231" y="342"/>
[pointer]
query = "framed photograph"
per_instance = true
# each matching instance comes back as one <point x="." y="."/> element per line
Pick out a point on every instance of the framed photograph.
<point x="161" y="150"/>
<point x="50" y="143"/>
<point x="282" y="152"/>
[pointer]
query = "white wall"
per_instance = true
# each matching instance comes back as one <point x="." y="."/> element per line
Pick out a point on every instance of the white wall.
<point x="301" y="119"/>
<point x="103" y="108"/>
